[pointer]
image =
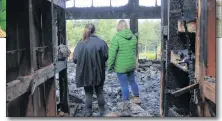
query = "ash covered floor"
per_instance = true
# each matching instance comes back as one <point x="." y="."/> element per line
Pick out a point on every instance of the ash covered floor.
<point x="148" y="80"/>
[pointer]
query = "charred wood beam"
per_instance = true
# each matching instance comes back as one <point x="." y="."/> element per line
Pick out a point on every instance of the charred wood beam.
<point x="14" y="51"/>
<point x="23" y="84"/>
<point x="63" y="88"/>
<point x="32" y="37"/>
<point x="113" y="13"/>
<point x="185" y="89"/>
<point x="60" y="3"/>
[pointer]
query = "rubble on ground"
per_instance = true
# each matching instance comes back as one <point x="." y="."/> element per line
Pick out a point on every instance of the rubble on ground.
<point x="148" y="79"/>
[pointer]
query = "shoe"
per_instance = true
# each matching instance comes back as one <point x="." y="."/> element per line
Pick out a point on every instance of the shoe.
<point x="126" y="112"/>
<point x="136" y="100"/>
<point x="88" y="113"/>
<point x="102" y="111"/>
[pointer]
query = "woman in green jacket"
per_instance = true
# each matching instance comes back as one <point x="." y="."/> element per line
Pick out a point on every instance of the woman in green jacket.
<point x="122" y="60"/>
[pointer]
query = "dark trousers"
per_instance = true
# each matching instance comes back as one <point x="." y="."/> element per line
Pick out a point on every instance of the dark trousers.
<point x="89" y="96"/>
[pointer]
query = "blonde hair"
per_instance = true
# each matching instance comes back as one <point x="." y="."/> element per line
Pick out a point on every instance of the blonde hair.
<point x="122" y="24"/>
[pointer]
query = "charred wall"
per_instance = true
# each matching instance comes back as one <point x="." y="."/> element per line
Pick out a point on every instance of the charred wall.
<point x="179" y="45"/>
<point x="17" y="44"/>
<point x="31" y="52"/>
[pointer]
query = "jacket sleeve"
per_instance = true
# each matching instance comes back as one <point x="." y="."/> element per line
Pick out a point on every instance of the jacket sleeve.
<point x="105" y="52"/>
<point x="76" y="53"/>
<point x="112" y="53"/>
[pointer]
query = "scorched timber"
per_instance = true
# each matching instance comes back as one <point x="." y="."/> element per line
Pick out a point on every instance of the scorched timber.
<point x="23" y="84"/>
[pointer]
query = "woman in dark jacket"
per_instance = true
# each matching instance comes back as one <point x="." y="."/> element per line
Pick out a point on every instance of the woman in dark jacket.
<point x="90" y="55"/>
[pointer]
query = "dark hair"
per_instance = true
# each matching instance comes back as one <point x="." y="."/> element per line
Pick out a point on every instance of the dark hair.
<point x="88" y="31"/>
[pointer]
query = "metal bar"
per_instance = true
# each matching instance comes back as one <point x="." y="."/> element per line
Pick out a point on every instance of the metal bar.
<point x="185" y="89"/>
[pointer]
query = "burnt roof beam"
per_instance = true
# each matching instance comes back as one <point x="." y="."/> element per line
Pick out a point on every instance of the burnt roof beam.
<point x="124" y="12"/>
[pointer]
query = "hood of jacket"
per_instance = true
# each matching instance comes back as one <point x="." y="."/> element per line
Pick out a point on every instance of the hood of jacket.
<point x="126" y="34"/>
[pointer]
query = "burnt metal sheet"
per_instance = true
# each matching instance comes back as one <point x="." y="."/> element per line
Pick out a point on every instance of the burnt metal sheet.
<point x="211" y="39"/>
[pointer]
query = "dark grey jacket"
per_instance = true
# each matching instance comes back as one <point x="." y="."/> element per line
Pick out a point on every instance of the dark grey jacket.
<point x="90" y="57"/>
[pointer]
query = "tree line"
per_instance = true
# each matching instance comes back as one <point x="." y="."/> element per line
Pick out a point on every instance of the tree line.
<point x="149" y="32"/>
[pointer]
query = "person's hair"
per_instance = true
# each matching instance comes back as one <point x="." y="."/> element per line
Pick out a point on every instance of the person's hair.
<point x="88" y="31"/>
<point x="122" y="24"/>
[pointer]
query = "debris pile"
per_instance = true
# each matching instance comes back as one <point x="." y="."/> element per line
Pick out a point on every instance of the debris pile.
<point x="148" y="79"/>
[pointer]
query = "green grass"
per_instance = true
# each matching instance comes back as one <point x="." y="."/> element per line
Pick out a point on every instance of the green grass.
<point x="148" y="55"/>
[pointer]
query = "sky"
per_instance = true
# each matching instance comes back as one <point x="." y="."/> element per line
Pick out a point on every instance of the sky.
<point x="116" y="3"/>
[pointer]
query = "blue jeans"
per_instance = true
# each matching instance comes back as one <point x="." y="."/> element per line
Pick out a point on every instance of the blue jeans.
<point x="125" y="79"/>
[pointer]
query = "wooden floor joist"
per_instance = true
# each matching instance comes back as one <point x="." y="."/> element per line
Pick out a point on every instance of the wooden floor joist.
<point x="184" y="90"/>
<point x="23" y="84"/>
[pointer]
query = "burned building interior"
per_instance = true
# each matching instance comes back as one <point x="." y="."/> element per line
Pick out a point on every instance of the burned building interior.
<point x="36" y="31"/>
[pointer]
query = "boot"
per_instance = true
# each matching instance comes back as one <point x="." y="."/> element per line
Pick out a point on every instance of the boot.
<point x="102" y="111"/>
<point x="136" y="100"/>
<point x="126" y="112"/>
<point x="88" y="113"/>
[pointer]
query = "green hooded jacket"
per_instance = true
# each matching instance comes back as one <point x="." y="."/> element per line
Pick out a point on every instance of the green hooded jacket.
<point x="122" y="52"/>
